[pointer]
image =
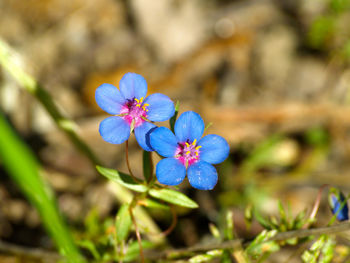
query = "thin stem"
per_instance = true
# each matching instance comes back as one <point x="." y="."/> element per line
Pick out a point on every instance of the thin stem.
<point x="128" y="164"/>
<point x="138" y="235"/>
<point x="235" y="244"/>
<point x="173" y="223"/>
<point x="152" y="167"/>
<point x="30" y="253"/>
<point x="8" y="60"/>
<point x="171" y="227"/>
<point x="315" y="207"/>
<point x="152" y="255"/>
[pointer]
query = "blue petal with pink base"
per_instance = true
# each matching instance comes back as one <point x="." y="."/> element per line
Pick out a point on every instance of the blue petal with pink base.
<point x="187" y="153"/>
<point x="132" y="110"/>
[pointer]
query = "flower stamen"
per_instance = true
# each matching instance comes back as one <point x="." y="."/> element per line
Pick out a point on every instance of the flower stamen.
<point x="135" y="112"/>
<point x="187" y="152"/>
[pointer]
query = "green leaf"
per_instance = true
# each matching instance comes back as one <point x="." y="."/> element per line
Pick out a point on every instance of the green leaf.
<point x="150" y="203"/>
<point x="260" y="245"/>
<point x="173" y="197"/>
<point x="248" y="215"/>
<point x="262" y="221"/>
<point x="200" y="258"/>
<point x="89" y="245"/>
<point x="123" y="223"/>
<point x="282" y="212"/>
<point x="133" y="251"/>
<point x="229" y="231"/>
<point x="147" y="165"/>
<point x="226" y="256"/>
<point x="322" y="29"/>
<point x="23" y="168"/>
<point x="328" y="251"/>
<point x="121" y="178"/>
<point x="173" y="119"/>
<point x="339" y="6"/>
<point x="214" y="231"/>
<point x="92" y="224"/>
<point x="209" y="256"/>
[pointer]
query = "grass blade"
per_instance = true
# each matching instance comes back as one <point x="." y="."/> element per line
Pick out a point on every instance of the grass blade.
<point x="23" y="167"/>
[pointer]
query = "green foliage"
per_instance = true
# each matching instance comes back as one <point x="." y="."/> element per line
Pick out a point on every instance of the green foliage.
<point x="123" y="223"/>
<point x="248" y="215"/>
<point x="173" y="119"/>
<point x="133" y="250"/>
<point x="229" y="230"/>
<point x="121" y="178"/>
<point x="24" y="169"/>
<point x="98" y="237"/>
<point x="321" y="30"/>
<point x="321" y="251"/>
<point x="150" y="203"/>
<point x="225" y="257"/>
<point x="209" y="256"/>
<point x="9" y="60"/>
<point x="260" y="247"/>
<point x="214" y="231"/>
<point x="339" y="6"/>
<point x="147" y="165"/>
<point x="173" y="197"/>
<point x="284" y="223"/>
<point x="327" y="32"/>
<point x="90" y="246"/>
<point x="317" y="136"/>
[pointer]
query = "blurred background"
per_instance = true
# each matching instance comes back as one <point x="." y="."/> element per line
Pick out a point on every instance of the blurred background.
<point x="272" y="76"/>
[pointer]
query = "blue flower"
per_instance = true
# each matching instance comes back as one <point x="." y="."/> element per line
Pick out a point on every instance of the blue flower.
<point x="131" y="110"/>
<point x="187" y="152"/>
<point x="338" y="204"/>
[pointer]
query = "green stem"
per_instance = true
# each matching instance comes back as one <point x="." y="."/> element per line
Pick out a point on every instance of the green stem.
<point x="8" y="60"/>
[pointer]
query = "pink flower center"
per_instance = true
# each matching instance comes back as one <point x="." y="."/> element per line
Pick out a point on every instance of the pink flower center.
<point x="187" y="153"/>
<point x="134" y="111"/>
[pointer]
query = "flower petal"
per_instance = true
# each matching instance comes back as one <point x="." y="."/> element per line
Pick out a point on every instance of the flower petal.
<point x="114" y="130"/>
<point x="142" y="134"/>
<point x="202" y="175"/>
<point x="164" y="142"/>
<point x="170" y="171"/>
<point x="189" y="126"/>
<point x="160" y="108"/>
<point x="109" y="98"/>
<point x="214" y="150"/>
<point x="343" y="214"/>
<point x="132" y="86"/>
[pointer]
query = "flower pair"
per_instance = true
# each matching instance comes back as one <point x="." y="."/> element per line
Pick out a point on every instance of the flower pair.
<point x="184" y="152"/>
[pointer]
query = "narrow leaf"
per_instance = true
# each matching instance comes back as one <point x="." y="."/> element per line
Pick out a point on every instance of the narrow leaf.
<point x="150" y="203"/>
<point x="123" y="223"/>
<point x="173" y="119"/>
<point x="214" y="231"/>
<point x="22" y="166"/>
<point x="147" y="165"/>
<point x="229" y="231"/>
<point x="89" y="245"/>
<point x="133" y="251"/>
<point x="121" y="178"/>
<point x="173" y="197"/>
